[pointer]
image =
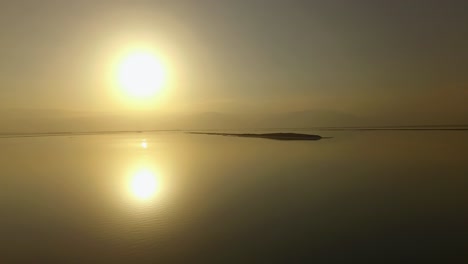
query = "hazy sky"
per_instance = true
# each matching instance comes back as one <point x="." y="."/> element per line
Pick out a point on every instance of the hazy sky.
<point x="360" y="56"/>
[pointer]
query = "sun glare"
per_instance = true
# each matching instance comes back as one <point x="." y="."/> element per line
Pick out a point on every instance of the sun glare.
<point x="140" y="74"/>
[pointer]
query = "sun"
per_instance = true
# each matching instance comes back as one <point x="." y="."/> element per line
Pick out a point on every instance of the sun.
<point x="140" y="74"/>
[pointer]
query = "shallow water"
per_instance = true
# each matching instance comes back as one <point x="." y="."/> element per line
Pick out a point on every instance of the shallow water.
<point x="175" y="197"/>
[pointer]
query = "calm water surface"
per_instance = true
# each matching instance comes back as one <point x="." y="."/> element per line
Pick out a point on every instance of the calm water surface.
<point x="174" y="197"/>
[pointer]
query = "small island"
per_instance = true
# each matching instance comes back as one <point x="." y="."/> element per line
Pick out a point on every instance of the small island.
<point x="275" y="136"/>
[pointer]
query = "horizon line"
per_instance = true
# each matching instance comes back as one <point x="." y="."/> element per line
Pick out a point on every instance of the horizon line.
<point x="462" y="127"/>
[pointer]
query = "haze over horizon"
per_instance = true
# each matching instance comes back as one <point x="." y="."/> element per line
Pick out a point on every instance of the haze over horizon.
<point x="234" y="63"/>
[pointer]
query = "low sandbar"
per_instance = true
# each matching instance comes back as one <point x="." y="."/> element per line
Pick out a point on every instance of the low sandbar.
<point x="275" y="136"/>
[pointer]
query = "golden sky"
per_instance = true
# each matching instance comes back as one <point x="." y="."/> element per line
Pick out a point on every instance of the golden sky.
<point x="356" y="57"/>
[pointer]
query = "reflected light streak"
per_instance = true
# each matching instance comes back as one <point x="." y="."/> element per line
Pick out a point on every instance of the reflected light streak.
<point x="144" y="144"/>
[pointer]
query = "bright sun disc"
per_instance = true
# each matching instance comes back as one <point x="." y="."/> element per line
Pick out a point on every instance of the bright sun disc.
<point x="140" y="74"/>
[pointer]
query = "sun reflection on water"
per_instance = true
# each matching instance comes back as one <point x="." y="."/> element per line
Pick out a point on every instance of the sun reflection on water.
<point x="144" y="184"/>
<point x="143" y="178"/>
